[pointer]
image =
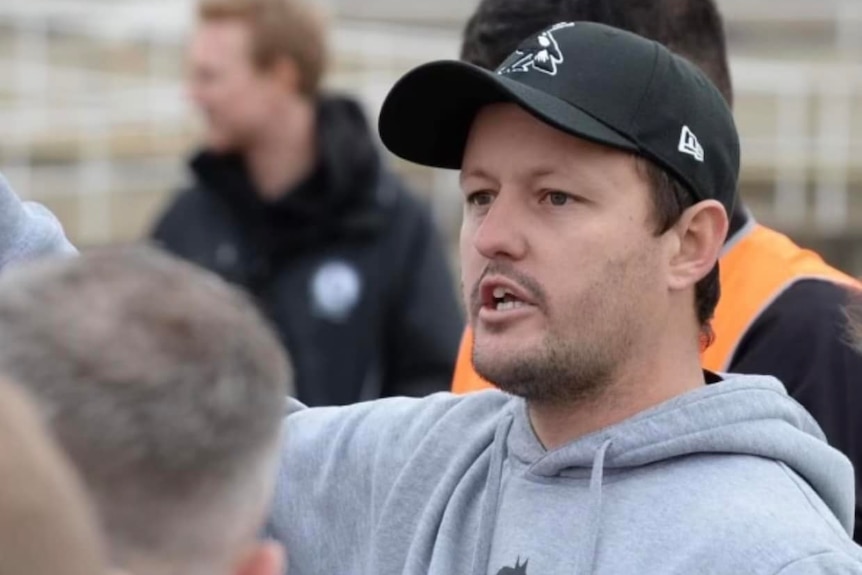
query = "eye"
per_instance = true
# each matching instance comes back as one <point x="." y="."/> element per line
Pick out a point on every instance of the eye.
<point x="556" y="198"/>
<point x="480" y="198"/>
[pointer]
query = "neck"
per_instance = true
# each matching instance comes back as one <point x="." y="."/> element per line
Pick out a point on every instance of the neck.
<point x="646" y="380"/>
<point x="286" y="154"/>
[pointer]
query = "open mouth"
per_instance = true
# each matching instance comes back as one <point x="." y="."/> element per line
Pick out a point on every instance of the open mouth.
<point x="502" y="295"/>
<point x="504" y="300"/>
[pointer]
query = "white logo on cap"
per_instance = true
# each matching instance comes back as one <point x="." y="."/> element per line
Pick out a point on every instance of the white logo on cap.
<point x="688" y="144"/>
<point x="541" y="53"/>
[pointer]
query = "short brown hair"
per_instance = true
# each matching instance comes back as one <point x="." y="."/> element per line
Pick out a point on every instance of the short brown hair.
<point x="279" y="29"/>
<point x="165" y="387"/>
<point x="670" y="198"/>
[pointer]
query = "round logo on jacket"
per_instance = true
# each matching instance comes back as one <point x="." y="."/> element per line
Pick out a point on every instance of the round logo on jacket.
<point x="335" y="290"/>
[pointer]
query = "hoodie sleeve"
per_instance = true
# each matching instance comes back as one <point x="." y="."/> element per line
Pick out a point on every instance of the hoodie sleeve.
<point x="426" y="321"/>
<point x="28" y="230"/>
<point x="339" y="466"/>
<point x="827" y="563"/>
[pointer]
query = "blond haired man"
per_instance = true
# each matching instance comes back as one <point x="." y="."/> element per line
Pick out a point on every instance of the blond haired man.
<point x="291" y="200"/>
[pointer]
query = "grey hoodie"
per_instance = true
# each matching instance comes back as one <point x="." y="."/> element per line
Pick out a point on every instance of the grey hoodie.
<point x="28" y="230"/>
<point x="731" y="478"/>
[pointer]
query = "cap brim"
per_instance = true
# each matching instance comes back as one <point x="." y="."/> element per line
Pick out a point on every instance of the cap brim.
<point x="426" y="117"/>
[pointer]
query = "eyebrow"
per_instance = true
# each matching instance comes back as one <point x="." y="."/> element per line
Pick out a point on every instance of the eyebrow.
<point x="532" y="174"/>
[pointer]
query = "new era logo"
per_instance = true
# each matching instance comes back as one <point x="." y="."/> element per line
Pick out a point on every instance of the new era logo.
<point x="688" y="144"/>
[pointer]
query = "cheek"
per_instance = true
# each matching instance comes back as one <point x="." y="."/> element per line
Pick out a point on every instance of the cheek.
<point x="596" y="270"/>
<point x="262" y="101"/>
<point x="217" y="101"/>
<point x="240" y="109"/>
<point x="471" y="261"/>
<point x="634" y="273"/>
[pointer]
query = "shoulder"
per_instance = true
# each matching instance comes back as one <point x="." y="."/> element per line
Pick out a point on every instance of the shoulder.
<point x="760" y="516"/>
<point x="811" y="300"/>
<point x="400" y="423"/>
<point x="806" y="322"/>
<point x="409" y="228"/>
<point x="368" y="446"/>
<point x="189" y="198"/>
<point x="401" y="199"/>
<point x="187" y="210"/>
<point x="379" y="438"/>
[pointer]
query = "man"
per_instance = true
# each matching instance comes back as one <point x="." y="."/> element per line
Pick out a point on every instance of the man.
<point x="165" y="389"/>
<point x="598" y="171"/>
<point x="46" y="524"/>
<point x="781" y="310"/>
<point x="292" y="201"/>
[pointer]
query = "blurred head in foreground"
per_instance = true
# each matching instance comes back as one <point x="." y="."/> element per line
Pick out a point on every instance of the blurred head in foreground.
<point x="165" y="388"/>
<point x="46" y="524"/>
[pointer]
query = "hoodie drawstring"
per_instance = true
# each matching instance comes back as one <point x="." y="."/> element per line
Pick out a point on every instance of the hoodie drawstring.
<point x="491" y="499"/>
<point x="594" y="516"/>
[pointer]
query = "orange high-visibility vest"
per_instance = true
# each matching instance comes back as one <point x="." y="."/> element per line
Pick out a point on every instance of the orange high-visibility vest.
<point x="757" y="266"/>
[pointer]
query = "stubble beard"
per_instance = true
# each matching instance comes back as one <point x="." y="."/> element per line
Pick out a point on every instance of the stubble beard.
<point x="558" y="373"/>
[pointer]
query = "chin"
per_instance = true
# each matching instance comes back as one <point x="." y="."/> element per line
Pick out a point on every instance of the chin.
<point x="221" y="143"/>
<point x="493" y="353"/>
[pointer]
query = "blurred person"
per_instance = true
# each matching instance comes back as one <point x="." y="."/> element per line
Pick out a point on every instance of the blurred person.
<point x="292" y="201"/>
<point x="589" y="250"/>
<point x="781" y="307"/>
<point x="165" y="388"/>
<point x="46" y="524"/>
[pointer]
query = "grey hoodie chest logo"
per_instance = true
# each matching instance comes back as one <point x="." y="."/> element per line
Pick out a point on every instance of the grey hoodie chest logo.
<point x="518" y="569"/>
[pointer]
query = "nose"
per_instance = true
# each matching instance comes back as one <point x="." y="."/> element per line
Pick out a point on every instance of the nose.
<point x="500" y="234"/>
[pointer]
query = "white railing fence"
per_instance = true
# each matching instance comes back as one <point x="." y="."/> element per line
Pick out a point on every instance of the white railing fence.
<point x="89" y="129"/>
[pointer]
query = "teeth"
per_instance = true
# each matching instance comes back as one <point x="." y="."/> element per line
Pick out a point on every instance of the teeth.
<point x="505" y="306"/>
<point x="499" y="292"/>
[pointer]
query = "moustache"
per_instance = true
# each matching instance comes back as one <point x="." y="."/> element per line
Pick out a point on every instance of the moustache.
<point x="529" y="285"/>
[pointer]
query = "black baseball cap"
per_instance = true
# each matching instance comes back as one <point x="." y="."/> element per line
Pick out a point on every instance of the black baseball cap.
<point x="595" y="82"/>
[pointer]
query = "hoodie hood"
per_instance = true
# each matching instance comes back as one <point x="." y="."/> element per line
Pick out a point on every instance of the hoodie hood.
<point x="339" y="196"/>
<point x="742" y="415"/>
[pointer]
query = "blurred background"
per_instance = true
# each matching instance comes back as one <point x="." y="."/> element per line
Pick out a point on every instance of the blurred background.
<point x="94" y="122"/>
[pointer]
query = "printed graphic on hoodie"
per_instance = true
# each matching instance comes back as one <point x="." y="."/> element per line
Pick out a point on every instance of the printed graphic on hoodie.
<point x="518" y="569"/>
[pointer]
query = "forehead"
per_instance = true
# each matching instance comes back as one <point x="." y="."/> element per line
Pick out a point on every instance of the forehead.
<point x="504" y="138"/>
<point x="222" y="37"/>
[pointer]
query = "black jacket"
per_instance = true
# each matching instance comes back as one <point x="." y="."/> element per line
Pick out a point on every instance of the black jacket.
<point x="348" y="265"/>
